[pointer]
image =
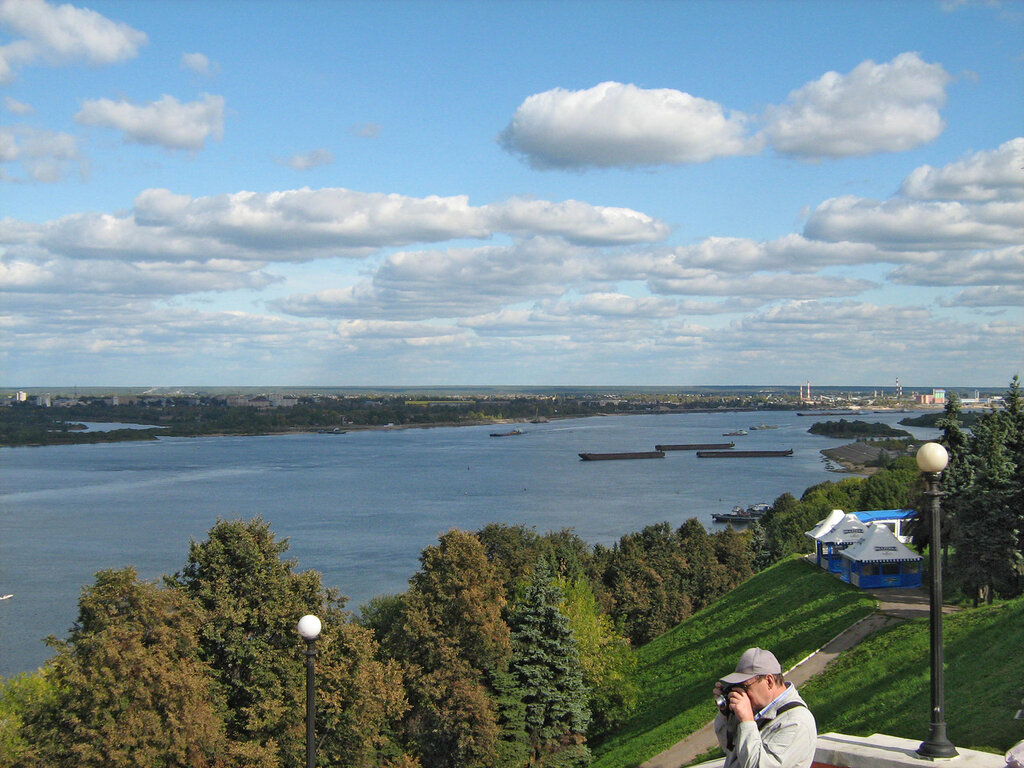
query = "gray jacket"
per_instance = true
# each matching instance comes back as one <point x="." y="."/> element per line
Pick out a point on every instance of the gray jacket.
<point x="784" y="740"/>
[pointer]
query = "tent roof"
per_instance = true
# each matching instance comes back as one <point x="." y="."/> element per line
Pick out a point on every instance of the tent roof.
<point x="847" y="530"/>
<point x="872" y="515"/>
<point x="879" y="545"/>
<point x="824" y="526"/>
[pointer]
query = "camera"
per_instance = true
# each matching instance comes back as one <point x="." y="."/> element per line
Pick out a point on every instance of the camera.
<point x="722" y="699"/>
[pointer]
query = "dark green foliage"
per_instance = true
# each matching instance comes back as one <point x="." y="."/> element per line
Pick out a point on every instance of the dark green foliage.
<point x="890" y="489"/>
<point x="652" y="580"/>
<point x="986" y="501"/>
<point x="546" y="668"/>
<point x="855" y="429"/>
<point x="251" y="600"/>
<point x="643" y="574"/>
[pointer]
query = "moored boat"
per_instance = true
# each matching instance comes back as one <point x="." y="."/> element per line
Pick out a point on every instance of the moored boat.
<point x="622" y="455"/>
<point x="742" y="454"/>
<point x="741" y="515"/>
<point x="695" y="447"/>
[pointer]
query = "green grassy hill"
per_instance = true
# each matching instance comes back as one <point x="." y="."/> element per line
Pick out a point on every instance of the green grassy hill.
<point x="791" y="608"/>
<point x="884" y="686"/>
<point x="881" y="686"/>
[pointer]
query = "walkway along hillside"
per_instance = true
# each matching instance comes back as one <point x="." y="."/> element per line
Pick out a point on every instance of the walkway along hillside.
<point x="894" y="606"/>
<point x="791" y="607"/>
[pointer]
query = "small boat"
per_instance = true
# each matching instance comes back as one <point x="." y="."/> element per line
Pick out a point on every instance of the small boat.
<point x="510" y="433"/>
<point x="741" y="515"/>
<point x="335" y="431"/>
<point x="624" y="455"/>
<point x="742" y="454"/>
<point x="6" y="597"/>
<point x="695" y="447"/>
<point x="736" y="433"/>
<point x="765" y="426"/>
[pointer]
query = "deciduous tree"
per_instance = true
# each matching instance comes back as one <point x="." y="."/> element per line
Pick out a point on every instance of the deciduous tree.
<point x="128" y="685"/>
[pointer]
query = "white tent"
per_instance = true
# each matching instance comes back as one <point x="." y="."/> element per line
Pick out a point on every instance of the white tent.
<point x="879" y="559"/>
<point x="880" y="545"/>
<point x="823" y="527"/>
<point x="826" y="525"/>
<point x="844" y="533"/>
<point x="849" y="530"/>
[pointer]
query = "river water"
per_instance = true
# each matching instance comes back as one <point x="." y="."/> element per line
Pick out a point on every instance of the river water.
<point x="360" y="507"/>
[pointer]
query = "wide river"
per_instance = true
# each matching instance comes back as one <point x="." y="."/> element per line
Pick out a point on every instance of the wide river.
<point x="360" y="507"/>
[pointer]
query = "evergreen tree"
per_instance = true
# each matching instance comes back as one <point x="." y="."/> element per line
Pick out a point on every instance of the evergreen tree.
<point x="546" y="667"/>
<point x="987" y="539"/>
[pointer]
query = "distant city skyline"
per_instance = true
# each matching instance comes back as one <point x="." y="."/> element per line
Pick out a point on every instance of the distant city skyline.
<point x="562" y="193"/>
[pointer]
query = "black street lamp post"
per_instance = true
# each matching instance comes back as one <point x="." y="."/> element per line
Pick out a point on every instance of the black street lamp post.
<point x="309" y="627"/>
<point x="931" y="460"/>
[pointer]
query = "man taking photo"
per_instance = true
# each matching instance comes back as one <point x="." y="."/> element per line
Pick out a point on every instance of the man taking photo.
<point x="762" y="722"/>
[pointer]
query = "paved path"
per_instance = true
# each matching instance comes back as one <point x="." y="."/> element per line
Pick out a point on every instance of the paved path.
<point x="894" y="606"/>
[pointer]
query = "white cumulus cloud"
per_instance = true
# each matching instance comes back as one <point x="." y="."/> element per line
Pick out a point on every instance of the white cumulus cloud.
<point x="306" y="224"/>
<point x="617" y="124"/>
<point x="899" y="224"/>
<point x="62" y="34"/>
<point x="166" y="123"/>
<point x="44" y="156"/>
<point x="875" y="108"/>
<point x="996" y="174"/>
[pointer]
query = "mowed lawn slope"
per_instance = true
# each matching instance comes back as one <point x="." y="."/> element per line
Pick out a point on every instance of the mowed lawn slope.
<point x="883" y="685"/>
<point x="792" y="608"/>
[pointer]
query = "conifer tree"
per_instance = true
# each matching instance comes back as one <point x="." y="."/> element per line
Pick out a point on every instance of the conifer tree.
<point x="988" y="551"/>
<point x="546" y="667"/>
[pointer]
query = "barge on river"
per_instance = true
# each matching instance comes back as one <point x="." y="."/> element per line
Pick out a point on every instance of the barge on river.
<point x="623" y="455"/>
<point x="695" y="447"/>
<point x="742" y="454"/>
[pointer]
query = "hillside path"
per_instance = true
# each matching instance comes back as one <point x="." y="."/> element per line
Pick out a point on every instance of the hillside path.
<point x="894" y="607"/>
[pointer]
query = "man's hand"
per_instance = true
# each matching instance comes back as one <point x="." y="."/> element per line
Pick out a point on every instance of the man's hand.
<point x="739" y="703"/>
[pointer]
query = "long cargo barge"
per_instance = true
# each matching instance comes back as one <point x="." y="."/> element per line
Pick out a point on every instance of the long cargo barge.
<point x="695" y="447"/>
<point x="742" y="454"/>
<point x="625" y="455"/>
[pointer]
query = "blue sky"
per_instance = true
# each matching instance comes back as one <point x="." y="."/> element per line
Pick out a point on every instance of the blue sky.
<point x="621" y="193"/>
